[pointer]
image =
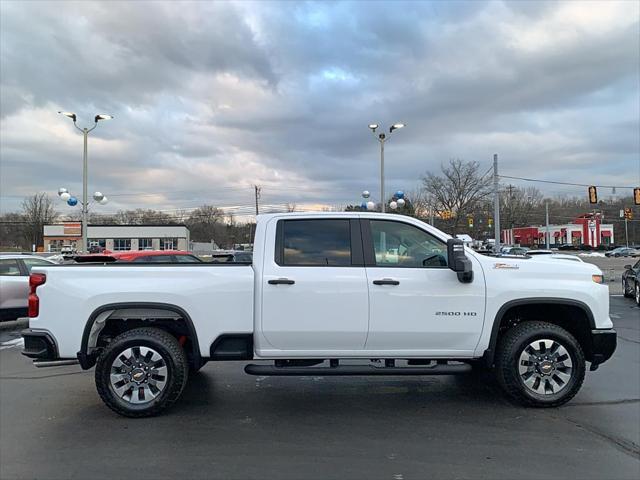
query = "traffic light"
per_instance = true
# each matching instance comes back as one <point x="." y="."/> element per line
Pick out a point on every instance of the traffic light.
<point x="490" y="222"/>
<point x="628" y="213"/>
<point x="636" y="196"/>
<point x="470" y="221"/>
<point x="593" y="194"/>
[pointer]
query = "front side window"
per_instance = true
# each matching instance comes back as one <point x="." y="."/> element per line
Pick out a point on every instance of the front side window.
<point x="325" y="242"/>
<point x="35" y="262"/>
<point x="154" y="259"/>
<point x="186" y="259"/>
<point x="9" y="268"/>
<point x="120" y="244"/>
<point x="401" y="245"/>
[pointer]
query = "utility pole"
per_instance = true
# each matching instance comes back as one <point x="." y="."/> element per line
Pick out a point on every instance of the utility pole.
<point x="546" y="235"/>
<point x="257" y="189"/>
<point x="496" y="202"/>
<point x="626" y="230"/>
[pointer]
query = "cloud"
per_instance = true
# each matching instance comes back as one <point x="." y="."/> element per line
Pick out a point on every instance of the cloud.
<point x="210" y="98"/>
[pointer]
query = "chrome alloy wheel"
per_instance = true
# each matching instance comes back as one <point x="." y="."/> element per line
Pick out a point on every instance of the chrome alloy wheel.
<point x="138" y="375"/>
<point x="545" y="367"/>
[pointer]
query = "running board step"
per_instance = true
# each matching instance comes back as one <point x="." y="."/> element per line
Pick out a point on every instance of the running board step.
<point x="350" y="370"/>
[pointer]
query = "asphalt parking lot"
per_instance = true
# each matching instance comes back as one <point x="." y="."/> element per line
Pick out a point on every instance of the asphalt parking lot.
<point x="231" y="425"/>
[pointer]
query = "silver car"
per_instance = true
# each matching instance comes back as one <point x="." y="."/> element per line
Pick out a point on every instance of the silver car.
<point x="14" y="283"/>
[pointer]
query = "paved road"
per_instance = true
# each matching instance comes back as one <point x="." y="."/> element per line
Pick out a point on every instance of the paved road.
<point x="230" y="425"/>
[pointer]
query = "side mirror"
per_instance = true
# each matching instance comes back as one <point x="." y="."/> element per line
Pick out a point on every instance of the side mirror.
<point x="458" y="261"/>
<point x="627" y="267"/>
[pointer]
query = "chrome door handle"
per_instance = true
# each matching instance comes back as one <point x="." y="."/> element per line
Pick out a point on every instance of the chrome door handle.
<point x="281" y="281"/>
<point x="386" y="281"/>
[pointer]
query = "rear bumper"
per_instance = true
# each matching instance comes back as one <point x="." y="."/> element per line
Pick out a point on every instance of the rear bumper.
<point x="603" y="344"/>
<point x="39" y="345"/>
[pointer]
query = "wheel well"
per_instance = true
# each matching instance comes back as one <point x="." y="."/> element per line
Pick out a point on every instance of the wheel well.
<point x="573" y="317"/>
<point x="109" y="321"/>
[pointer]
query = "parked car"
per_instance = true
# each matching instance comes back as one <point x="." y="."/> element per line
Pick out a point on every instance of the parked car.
<point x="558" y="256"/>
<point x="327" y="293"/>
<point x="139" y="256"/>
<point x="514" y="250"/>
<point x="14" y="283"/>
<point x="232" y="256"/>
<point x="631" y="281"/>
<point x="623" y="252"/>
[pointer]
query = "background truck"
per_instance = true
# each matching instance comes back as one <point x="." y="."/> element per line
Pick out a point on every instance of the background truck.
<point x="327" y="294"/>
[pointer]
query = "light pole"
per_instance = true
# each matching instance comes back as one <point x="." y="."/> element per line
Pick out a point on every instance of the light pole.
<point x="383" y="138"/>
<point x="85" y="203"/>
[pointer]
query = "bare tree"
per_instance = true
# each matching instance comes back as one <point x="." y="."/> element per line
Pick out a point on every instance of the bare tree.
<point x="37" y="211"/>
<point x="519" y="205"/>
<point x="291" y="207"/>
<point x="458" y="189"/>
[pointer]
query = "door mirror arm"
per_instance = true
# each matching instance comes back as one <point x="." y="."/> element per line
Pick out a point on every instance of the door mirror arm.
<point x="458" y="261"/>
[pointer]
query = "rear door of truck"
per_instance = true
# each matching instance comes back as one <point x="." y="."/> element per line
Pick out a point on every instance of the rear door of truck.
<point x="314" y="286"/>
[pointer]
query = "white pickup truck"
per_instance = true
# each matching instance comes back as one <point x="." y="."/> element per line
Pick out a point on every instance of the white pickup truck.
<point x="326" y="294"/>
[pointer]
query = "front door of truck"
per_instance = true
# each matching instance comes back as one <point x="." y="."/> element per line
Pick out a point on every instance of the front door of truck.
<point x="417" y="304"/>
<point x="314" y="287"/>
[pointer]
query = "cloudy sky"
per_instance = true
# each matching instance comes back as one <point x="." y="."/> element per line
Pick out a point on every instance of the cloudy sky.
<point x="212" y="98"/>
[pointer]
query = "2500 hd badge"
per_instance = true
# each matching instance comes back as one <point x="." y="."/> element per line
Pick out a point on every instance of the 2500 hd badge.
<point x="456" y="314"/>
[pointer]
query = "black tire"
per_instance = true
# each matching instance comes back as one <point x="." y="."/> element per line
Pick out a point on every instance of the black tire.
<point x="625" y="290"/>
<point x="175" y="361"/>
<point x="512" y="345"/>
<point x="637" y="293"/>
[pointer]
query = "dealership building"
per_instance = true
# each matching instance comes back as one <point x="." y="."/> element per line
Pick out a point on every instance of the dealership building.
<point x="587" y="229"/>
<point x="117" y="237"/>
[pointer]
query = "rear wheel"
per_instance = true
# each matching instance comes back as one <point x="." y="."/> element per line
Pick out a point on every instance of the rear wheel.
<point x="638" y="293"/>
<point x="540" y="364"/>
<point x="627" y="290"/>
<point x="141" y="372"/>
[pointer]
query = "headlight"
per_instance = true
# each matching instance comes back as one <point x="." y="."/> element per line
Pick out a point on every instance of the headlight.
<point x="597" y="278"/>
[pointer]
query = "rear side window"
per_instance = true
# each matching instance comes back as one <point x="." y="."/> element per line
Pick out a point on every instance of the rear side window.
<point x="322" y="243"/>
<point x="9" y="268"/>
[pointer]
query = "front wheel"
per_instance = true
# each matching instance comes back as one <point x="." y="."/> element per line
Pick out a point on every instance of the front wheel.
<point x="540" y="364"/>
<point x="637" y="293"/>
<point x="626" y="291"/>
<point x="141" y="372"/>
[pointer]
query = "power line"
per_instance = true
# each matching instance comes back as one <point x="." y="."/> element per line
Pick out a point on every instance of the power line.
<point x="564" y="183"/>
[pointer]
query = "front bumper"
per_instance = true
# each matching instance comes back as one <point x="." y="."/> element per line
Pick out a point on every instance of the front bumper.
<point x="603" y="344"/>
<point x="39" y="345"/>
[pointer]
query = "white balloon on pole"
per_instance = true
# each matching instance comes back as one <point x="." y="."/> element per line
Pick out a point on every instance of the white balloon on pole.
<point x="65" y="196"/>
<point x="393" y="205"/>
<point x="103" y="200"/>
<point x="98" y="196"/>
<point x="401" y="202"/>
<point x="371" y="206"/>
<point x="62" y="190"/>
<point x="366" y="194"/>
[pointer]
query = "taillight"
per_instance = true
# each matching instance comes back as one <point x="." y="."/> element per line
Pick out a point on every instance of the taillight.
<point x="35" y="280"/>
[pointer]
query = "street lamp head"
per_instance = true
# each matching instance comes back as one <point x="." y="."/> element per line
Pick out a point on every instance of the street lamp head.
<point x="103" y="117"/>
<point x="373" y="126"/>
<point x="396" y="126"/>
<point x="71" y="115"/>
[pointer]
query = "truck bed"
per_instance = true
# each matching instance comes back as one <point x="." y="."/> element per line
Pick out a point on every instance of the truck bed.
<point x="218" y="297"/>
